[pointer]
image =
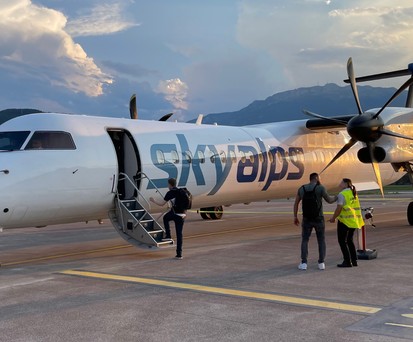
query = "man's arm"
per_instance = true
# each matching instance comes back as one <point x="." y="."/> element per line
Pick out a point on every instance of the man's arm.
<point x="327" y="197"/>
<point x="296" y="203"/>
<point x="160" y="203"/>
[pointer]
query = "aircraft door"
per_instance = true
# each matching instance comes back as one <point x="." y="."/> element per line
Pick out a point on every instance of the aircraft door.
<point x="128" y="160"/>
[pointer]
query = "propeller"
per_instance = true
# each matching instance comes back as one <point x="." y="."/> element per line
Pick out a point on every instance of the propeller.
<point x="133" y="110"/>
<point x="365" y="127"/>
<point x="166" y="117"/>
<point x="352" y="78"/>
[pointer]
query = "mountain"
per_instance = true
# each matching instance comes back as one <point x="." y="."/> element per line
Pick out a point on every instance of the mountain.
<point x="328" y="100"/>
<point x="8" y="114"/>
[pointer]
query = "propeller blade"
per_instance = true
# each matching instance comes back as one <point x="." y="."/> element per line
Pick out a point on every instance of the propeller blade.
<point x="397" y="93"/>
<point x="166" y="117"/>
<point x="393" y="134"/>
<point x="352" y="78"/>
<point x="344" y="149"/>
<point x="376" y="169"/>
<point x="132" y="107"/>
<point x="318" y="116"/>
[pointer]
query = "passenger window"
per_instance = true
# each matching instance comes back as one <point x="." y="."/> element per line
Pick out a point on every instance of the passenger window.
<point x="261" y="157"/>
<point x="293" y="156"/>
<point x="175" y="157"/>
<point x="233" y="156"/>
<point x="10" y="141"/>
<point x="250" y="156"/>
<point x="201" y="157"/>
<point x="243" y="157"/>
<point x="51" y="141"/>
<point x="223" y="157"/>
<point x="270" y="157"/>
<point x="160" y="157"/>
<point x="188" y="156"/>
<point x="212" y="157"/>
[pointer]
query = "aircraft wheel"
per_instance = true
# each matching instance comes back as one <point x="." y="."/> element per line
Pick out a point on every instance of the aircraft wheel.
<point x="217" y="212"/>
<point x="205" y="216"/>
<point x="410" y="213"/>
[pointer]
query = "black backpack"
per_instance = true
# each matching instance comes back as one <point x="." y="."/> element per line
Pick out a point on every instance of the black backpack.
<point x="183" y="200"/>
<point x="311" y="204"/>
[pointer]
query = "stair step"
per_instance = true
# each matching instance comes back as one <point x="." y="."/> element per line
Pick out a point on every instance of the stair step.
<point x="128" y="201"/>
<point x="145" y="221"/>
<point x="137" y="211"/>
<point x="170" y="242"/>
<point x="155" y="231"/>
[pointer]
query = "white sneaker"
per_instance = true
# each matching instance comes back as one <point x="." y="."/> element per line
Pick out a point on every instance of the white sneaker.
<point x="302" y="266"/>
<point x="321" y="266"/>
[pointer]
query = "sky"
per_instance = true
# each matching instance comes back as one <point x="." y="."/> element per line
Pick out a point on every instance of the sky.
<point x="189" y="57"/>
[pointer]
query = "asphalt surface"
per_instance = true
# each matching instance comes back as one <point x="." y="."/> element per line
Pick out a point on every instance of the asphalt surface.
<point x="238" y="281"/>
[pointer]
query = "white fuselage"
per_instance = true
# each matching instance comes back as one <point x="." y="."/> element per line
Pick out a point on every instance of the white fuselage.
<point x="219" y="165"/>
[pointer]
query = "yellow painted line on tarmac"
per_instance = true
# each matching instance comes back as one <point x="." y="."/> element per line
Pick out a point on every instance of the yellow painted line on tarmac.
<point x="56" y="256"/>
<point x="400" y="325"/>
<point x="282" y="299"/>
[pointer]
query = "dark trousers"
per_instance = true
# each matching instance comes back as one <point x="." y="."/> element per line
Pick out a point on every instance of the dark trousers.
<point x="307" y="227"/>
<point x="179" y="226"/>
<point x="345" y="240"/>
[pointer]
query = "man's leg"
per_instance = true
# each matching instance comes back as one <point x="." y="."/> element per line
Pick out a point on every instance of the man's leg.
<point x="179" y="225"/>
<point x="169" y="216"/>
<point x="305" y="237"/>
<point x="320" y="231"/>
<point x="342" y="232"/>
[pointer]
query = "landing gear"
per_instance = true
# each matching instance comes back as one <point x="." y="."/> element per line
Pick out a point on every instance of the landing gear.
<point x="410" y="213"/>
<point x="408" y="168"/>
<point x="212" y="213"/>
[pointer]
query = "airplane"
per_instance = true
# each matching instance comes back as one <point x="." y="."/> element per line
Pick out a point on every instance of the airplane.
<point x="63" y="168"/>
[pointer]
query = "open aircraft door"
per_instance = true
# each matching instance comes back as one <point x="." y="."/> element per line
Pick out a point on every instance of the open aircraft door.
<point x="128" y="160"/>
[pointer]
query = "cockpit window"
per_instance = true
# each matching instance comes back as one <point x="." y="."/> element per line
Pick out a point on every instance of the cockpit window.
<point x="10" y="141"/>
<point x="44" y="140"/>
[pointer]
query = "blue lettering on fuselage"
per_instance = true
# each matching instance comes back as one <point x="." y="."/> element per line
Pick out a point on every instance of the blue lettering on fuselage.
<point x="254" y="166"/>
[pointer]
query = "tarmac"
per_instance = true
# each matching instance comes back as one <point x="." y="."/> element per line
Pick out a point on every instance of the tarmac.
<point x="238" y="281"/>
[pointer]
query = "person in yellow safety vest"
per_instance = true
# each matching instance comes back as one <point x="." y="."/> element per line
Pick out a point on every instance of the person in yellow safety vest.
<point x="348" y="213"/>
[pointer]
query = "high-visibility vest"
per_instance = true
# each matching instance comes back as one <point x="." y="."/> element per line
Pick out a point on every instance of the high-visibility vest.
<point x="351" y="215"/>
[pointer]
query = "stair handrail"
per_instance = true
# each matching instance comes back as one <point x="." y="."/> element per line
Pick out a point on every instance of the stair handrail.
<point x="143" y="175"/>
<point x="139" y="193"/>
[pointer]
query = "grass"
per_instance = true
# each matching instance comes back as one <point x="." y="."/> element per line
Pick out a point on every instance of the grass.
<point x="390" y="189"/>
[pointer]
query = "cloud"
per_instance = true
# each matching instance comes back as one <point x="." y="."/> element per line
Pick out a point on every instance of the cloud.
<point x="320" y="38"/>
<point x="128" y="70"/>
<point x="100" y="20"/>
<point x="36" y="47"/>
<point x="175" y="91"/>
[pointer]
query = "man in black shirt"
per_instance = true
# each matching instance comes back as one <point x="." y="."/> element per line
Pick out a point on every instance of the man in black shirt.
<point x="176" y="214"/>
<point x="313" y="219"/>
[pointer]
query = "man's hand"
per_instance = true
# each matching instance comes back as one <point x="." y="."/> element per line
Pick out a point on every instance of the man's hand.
<point x="151" y="199"/>
<point x="296" y="221"/>
<point x="332" y="220"/>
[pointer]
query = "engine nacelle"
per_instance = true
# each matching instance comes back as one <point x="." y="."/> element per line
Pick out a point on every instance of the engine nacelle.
<point x="396" y="154"/>
<point x="364" y="155"/>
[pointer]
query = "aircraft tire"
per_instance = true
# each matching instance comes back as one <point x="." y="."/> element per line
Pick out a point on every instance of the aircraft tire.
<point x="216" y="213"/>
<point x="410" y="213"/>
<point x="205" y="216"/>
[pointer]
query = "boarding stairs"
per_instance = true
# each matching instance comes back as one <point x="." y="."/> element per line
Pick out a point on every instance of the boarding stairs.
<point x="133" y="221"/>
